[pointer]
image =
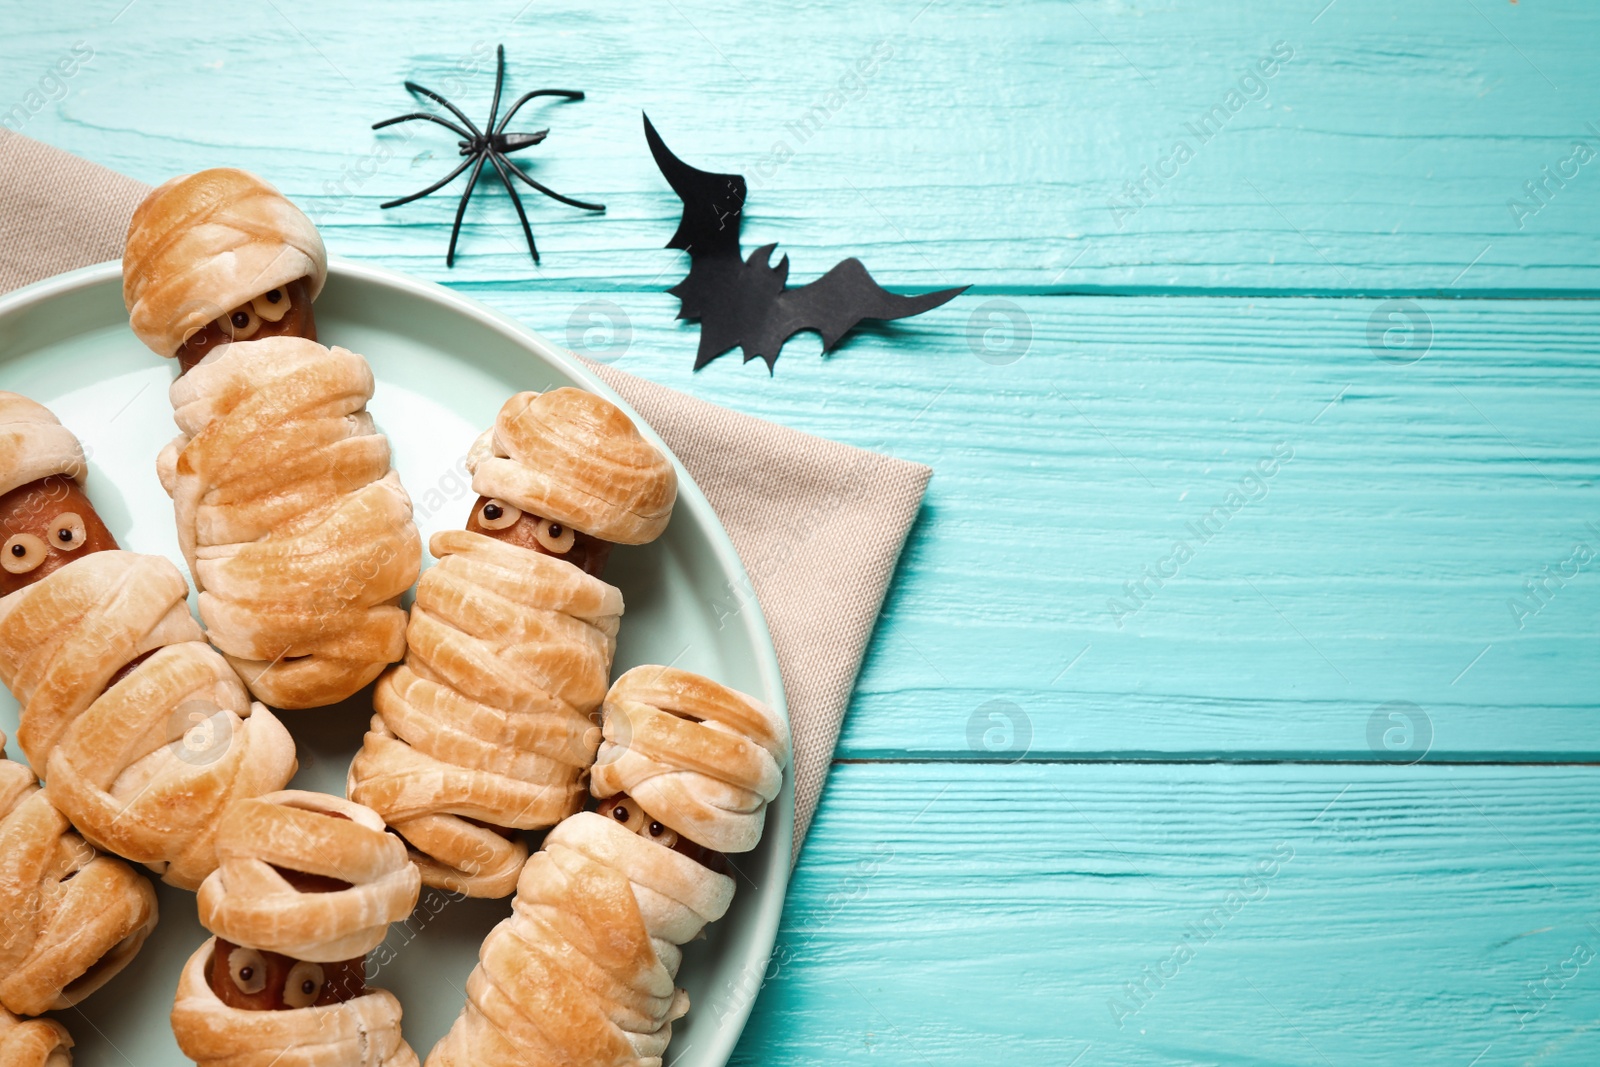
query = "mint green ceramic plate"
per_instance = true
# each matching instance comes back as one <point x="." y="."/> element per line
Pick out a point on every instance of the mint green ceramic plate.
<point x="444" y="365"/>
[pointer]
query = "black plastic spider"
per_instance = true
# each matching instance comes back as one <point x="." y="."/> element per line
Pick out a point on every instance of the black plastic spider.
<point x="492" y="147"/>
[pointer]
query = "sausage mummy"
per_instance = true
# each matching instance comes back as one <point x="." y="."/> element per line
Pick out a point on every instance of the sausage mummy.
<point x="289" y="513"/>
<point x="216" y="257"/>
<point x="70" y="918"/>
<point x="488" y="724"/>
<point x="704" y="759"/>
<point x="143" y="731"/>
<point x="584" y="969"/>
<point x="307" y="886"/>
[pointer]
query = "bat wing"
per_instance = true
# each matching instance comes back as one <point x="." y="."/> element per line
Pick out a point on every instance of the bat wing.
<point x="833" y="305"/>
<point x="713" y="204"/>
<point x="746" y="304"/>
<point x="732" y="299"/>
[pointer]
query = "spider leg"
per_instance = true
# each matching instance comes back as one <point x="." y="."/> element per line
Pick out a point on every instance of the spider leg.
<point x="570" y="94"/>
<point x="551" y="193"/>
<point x="455" y="231"/>
<point x="435" y="187"/>
<point x="505" y="179"/>
<point x="456" y="111"/>
<point x="499" y="80"/>
<point x="423" y="115"/>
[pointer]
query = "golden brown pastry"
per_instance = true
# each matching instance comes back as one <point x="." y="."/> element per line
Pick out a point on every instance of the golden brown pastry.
<point x="584" y="969"/>
<point x="307" y="886"/>
<point x="292" y="520"/>
<point x="488" y="725"/>
<point x="703" y="759"/>
<point x="206" y="247"/>
<point x="249" y="901"/>
<point x="294" y="523"/>
<point x="143" y="731"/>
<point x="572" y="457"/>
<point x="70" y="918"/>
<point x="33" y="1042"/>
<point x="363" y="1032"/>
<point x="487" y="720"/>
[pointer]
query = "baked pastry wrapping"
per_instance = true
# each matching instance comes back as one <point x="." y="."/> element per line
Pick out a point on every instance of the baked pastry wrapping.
<point x="584" y="970"/>
<point x="575" y="458"/>
<point x="488" y="726"/>
<point x="33" y="1042"/>
<point x="70" y="918"/>
<point x="364" y="1032"/>
<point x="701" y="758"/>
<point x="307" y="885"/>
<point x="293" y="522"/>
<point x="142" y="730"/>
<point x="248" y="899"/>
<point x="203" y="244"/>
<point x="488" y="717"/>
<point x="34" y="445"/>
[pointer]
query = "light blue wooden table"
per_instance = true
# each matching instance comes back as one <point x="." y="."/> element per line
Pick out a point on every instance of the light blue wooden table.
<point x="1236" y="701"/>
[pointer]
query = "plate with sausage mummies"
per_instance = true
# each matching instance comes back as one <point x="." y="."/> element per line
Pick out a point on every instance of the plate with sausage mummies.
<point x="378" y="689"/>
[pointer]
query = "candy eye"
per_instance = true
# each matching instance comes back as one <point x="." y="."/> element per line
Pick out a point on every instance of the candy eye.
<point x="555" y="537"/>
<point x="272" y="305"/>
<point x="304" y="985"/>
<point x="660" y="834"/>
<point x="240" y="324"/>
<point x="248" y="970"/>
<point x="22" y="553"/>
<point x="498" y="515"/>
<point x="66" y="531"/>
<point x="629" y="815"/>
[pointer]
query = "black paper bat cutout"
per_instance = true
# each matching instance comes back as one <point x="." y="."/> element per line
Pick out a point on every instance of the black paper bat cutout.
<point x="747" y="303"/>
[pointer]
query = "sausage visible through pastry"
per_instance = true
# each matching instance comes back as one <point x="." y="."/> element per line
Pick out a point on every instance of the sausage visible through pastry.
<point x="625" y="810"/>
<point x="256" y="980"/>
<point x="506" y="522"/>
<point x="281" y="312"/>
<point x="253" y="980"/>
<point x="45" y="525"/>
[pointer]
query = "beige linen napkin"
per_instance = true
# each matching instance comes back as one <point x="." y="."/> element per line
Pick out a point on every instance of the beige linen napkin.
<point x="819" y="525"/>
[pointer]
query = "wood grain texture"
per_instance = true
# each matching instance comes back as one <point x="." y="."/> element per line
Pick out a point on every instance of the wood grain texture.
<point x="988" y="144"/>
<point x="954" y="905"/>
<point x="956" y="914"/>
<point x="1379" y="563"/>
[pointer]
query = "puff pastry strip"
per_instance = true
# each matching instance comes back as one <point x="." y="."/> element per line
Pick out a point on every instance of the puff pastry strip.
<point x="291" y="517"/>
<point x="70" y="918"/>
<point x="574" y="457"/>
<point x="364" y="1032"/>
<point x="488" y="718"/>
<point x="202" y="244"/>
<point x="33" y="1042"/>
<point x="699" y="757"/>
<point x="249" y="901"/>
<point x="583" y="970"/>
<point x="144" y="768"/>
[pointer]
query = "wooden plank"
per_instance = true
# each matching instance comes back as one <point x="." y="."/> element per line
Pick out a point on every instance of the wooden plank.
<point x="1330" y="915"/>
<point x="1378" y="565"/>
<point x="1018" y="148"/>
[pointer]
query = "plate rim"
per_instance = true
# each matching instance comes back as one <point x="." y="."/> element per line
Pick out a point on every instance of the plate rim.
<point x="731" y="1024"/>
